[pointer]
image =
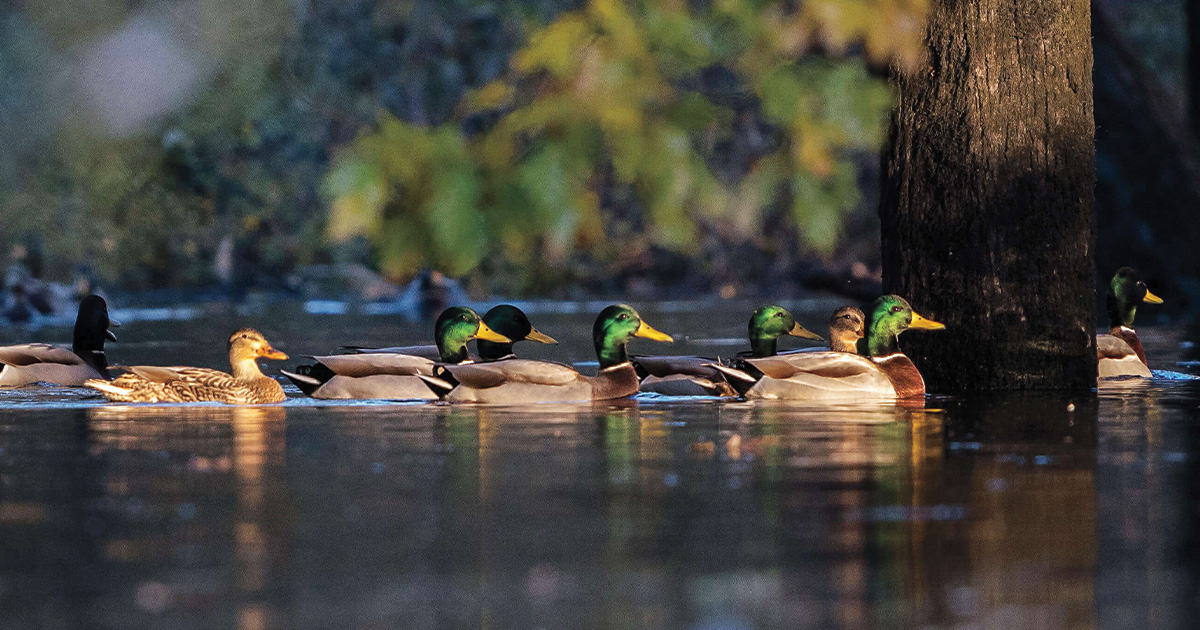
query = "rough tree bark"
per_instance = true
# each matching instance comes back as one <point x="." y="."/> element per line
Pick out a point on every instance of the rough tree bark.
<point x="986" y="206"/>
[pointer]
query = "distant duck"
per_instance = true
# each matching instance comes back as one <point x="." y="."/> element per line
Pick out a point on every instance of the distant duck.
<point x="17" y="309"/>
<point x="430" y="292"/>
<point x="407" y="373"/>
<point x="694" y="376"/>
<point x="1119" y="354"/>
<point x="886" y="373"/>
<point x="39" y="362"/>
<point x="247" y="385"/>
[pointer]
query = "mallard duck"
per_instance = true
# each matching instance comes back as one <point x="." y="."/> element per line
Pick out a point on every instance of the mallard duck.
<point x="846" y="327"/>
<point x="1119" y="353"/>
<point x="40" y="362"/>
<point x="395" y="375"/>
<point x="886" y="374"/>
<point x="526" y="381"/>
<point x="692" y="376"/>
<point x="505" y="319"/>
<point x="247" y="385"/>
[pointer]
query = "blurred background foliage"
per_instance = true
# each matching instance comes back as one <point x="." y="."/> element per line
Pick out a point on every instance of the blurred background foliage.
<point x="622" y="126"/>
<point x="528" y="143"/>
<point x="534" y="146"/>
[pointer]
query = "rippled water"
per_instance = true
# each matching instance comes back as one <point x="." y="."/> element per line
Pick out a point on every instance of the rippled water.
<point x="1033" y="511"/>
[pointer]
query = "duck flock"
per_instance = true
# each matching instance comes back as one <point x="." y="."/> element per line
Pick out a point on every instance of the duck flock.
<point x="863" y="360"/>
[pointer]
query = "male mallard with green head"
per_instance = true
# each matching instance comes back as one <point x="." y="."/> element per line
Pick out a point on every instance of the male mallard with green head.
<point x="884" y="373"/>
<point x="395" y="375"/>
<point x="247" y="385"/>
<point x="526" y="381"/>
<point x="1119" y="353"/>
<point x="693" y="376"/>
<point x="505" y="319"/>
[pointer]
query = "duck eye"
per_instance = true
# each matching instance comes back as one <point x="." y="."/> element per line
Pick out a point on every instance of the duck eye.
<point x="896" y="309"/>
<point x="624" y="316"/>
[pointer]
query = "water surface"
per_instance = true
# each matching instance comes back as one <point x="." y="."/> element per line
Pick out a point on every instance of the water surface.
<point x="1032" y="511"/>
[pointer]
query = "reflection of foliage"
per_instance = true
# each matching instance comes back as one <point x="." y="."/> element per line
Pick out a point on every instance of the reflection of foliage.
<point x="635" y="95"/>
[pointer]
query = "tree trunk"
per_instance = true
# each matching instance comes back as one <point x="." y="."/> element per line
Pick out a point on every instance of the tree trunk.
<point x="1193" y="65"/>
<point x="987" y="196"/>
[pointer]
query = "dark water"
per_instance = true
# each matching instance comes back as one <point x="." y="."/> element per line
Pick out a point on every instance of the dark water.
<point x="996" y="512"/>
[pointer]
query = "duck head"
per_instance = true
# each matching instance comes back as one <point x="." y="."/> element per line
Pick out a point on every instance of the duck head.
<point x="845" y="329"/>
<point x="92" y="326"/>
<point x="768" y="324"/>
<point x="615" y="326"/>
<point x="1125" y="293"/>
<point x="889" y="316"/>
<point x="248" y="344"/>
<point x="455" y="327"/>
<point x="511" y="322"/>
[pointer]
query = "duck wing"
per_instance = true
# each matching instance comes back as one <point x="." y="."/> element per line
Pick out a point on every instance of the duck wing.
<point x="425" y="352"/>
<point x="821" y="364"/>
<point x="664" y="366"/>
<point x="496" y="373"/>
<point x="33" y="353"/>
<point x="371" y="364"/>
<point x="1107" y="347"/>
<point x="188" y="375"/>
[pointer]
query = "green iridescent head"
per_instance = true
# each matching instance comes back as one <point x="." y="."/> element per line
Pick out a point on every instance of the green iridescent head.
<point x="511" y="322"/>
<point x="1125" y="292"/>
<point x="455" y="327"/>
<point x="889" y="316"/>
<point x="615" y="326"/>
<point x="768" y="324"/>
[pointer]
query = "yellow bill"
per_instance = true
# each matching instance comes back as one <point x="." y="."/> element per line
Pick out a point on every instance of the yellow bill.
<point x="487" y="334"/>
<point x="648" y="332"/>
<point x="1151" y="298"/>
<point x="540" y="337"/>
<point x="804" y="333"/>
<point x="921" y="323"/>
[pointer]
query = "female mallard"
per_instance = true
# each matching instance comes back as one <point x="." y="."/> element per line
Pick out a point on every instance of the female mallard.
<point x="846" y="327"/>
<point x="247" y="385"/>
<point x="1119" y="353"/>
<point x="396" y="375"/>
<point x="886" y="374"/>
<point x="524" y="380"/>
<point x="40" y="362"/>
<point x="693" y="376"/>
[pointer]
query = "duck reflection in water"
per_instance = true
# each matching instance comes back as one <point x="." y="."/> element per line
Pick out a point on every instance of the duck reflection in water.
<point x="237" y="455"/>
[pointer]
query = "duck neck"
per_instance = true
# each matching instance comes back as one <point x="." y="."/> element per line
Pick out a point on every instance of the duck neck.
<point x="84" y="341"/>
<point x="89" y="347"/>
<point x="763" y="346"/>
<point x="245" y="368"/>
<point x="881" y="343"/>
<point x="843" y="344"/>
<point x="490" y="350"/>
<point x="610" y="352"/>
<point x="453" y="352"/>
<point x="1120" y="313"/>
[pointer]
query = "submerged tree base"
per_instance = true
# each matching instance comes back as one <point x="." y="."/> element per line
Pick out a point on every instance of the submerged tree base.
<point x="988" y="193"/>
